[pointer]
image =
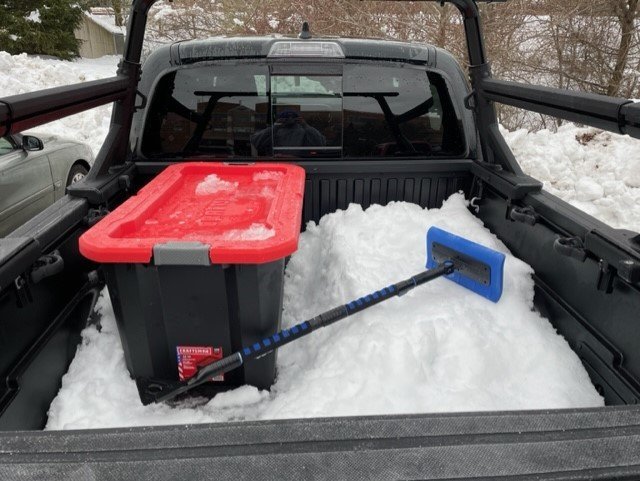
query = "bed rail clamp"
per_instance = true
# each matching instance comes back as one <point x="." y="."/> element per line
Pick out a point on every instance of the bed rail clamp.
<point x="23" y="293"/>
<point x="570" y="247"/>
<point x="47" y="266"/>
<point x="629" y="270"/>
<point x="606" y="276"/>
<point x="526" y="215"/>
<point x="95" y="215"/>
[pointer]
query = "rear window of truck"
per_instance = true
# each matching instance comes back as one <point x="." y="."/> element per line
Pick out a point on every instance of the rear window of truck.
<point x="246" y="111"/>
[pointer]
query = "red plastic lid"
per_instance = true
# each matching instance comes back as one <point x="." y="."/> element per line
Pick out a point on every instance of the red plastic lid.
<point x="245" y="214"/>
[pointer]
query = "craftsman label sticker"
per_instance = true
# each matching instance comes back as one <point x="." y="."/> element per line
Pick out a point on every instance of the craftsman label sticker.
<point x="190" y="358"/>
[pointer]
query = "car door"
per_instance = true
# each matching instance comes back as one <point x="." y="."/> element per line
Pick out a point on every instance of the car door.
<point x="26" y="184"/>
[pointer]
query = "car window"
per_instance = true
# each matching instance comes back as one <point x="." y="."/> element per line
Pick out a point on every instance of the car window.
<point x="6" y="146"/>
<point x="244" y="111"/>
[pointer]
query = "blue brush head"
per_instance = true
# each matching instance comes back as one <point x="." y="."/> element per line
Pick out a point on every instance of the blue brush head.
<point x="476" y="267"/>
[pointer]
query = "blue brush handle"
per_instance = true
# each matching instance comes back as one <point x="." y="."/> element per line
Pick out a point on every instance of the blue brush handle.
<point x="285" y="336"/>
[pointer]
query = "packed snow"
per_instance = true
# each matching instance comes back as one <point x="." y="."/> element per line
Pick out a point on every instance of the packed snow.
<point x="24" y="73"/>
<point x="438" y="348"/>
<point x="595" y="171"/>
<point x="212" y="184"/>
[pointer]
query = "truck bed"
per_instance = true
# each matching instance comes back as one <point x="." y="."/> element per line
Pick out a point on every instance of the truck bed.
<point x="552" y="444"/>
<point x="331" y="186"/>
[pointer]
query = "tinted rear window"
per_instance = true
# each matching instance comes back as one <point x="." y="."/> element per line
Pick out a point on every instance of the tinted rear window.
<point x="243" y="111"/>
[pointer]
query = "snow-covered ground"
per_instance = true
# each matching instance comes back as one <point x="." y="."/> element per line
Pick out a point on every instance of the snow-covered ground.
<point x="438" y="348"/>
<point x="22" y="73"/>
<point x="595" y="171"/>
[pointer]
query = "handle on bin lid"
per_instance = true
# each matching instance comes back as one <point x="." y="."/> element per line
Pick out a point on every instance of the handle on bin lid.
<point x="182" y="254"/>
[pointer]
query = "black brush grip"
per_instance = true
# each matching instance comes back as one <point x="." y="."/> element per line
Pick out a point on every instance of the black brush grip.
<point x="279" y="339"/>
<point x="225" y="364"/>
<point x="334" y="315"/>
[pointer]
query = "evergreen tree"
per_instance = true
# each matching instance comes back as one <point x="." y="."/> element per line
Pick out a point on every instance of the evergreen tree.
<point x="40" y="26"/>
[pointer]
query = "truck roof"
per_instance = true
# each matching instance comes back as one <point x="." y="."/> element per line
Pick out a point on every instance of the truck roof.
<point x="216" y="48"/>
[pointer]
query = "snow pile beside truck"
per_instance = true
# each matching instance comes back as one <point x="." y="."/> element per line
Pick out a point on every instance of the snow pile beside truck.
<point x="595" y="171"/>
<point x="23" y="73"/>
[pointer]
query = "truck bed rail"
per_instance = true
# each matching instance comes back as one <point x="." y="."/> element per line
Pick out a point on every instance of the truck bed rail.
<point x="617" y="115"/>
<point x="29" y="110"/>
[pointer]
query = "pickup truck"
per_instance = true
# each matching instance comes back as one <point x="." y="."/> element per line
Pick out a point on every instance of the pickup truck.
<point x="378" y="147"/>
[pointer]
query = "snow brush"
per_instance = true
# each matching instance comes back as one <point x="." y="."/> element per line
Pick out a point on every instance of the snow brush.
<point x="471" y="265"/>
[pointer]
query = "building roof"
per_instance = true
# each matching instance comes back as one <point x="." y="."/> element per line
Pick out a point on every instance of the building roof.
<point x="105" y="18"/>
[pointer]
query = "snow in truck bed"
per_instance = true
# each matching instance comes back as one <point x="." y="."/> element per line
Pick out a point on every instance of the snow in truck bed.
<point x="439" y="348"/>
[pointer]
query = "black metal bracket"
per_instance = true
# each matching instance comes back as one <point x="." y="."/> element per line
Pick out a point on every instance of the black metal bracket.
<point x="470" y="102"/>
<point x="94" y="215"/>
<point x="629" y="119"/>
<point x="479" y="72"/>
<point x="490" y="166"/>
<point x="606" y="275"/>
<point x="623" y="259"/>
<point x="143" y="101"/>
<point x="7" y="114"/>
<point x="629" y="270"/>
<point x="47" y="266"/>
<point x="99" y="190"/>
<point x="512" y="186"/>
<point x="570" y="247"/>
<point x="23" y="293"/>
<point x="130" y="68"/>
<point x="526" y="215"/>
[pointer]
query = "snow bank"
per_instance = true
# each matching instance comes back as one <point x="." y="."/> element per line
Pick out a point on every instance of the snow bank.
<point x="439" y="348"/>
<point x="22" y="73"/>
<point x="595" y="171"/>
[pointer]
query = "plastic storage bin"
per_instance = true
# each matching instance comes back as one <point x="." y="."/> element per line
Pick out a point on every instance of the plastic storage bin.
<point x="195" y="267"/>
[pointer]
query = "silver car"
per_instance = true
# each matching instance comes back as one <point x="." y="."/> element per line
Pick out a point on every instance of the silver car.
<point x="34" y="173"/>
